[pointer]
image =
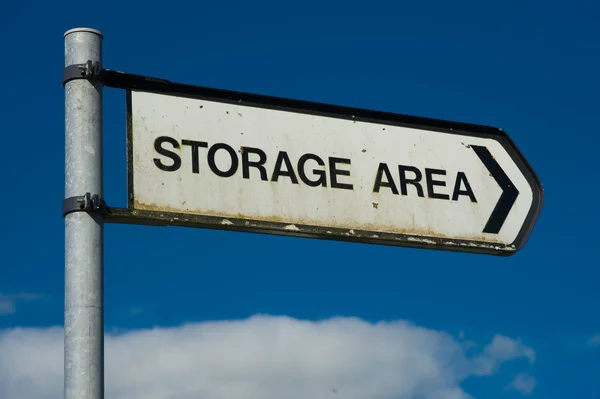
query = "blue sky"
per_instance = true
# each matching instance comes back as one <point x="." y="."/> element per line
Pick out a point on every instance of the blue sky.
<point x="528" y="67"/>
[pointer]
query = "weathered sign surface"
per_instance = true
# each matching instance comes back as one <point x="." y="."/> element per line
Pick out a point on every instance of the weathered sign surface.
<point x="261" y="164"/>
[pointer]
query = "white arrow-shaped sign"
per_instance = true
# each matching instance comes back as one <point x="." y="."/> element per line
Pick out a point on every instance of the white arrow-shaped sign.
<point x="219" y="159"/>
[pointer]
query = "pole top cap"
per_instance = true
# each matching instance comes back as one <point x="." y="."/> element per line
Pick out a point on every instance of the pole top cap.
<point x="89" y="30"/>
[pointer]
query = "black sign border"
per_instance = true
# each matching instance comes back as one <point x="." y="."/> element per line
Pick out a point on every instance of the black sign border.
<point x="130" y="215"/>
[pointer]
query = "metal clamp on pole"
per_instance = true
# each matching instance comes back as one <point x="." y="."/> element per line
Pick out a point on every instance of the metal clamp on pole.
<point x="85" y="203"/>
<point x="88" y="70"/>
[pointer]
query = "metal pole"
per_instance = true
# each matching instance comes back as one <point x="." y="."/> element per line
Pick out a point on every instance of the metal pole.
<point x="84" y="232"/>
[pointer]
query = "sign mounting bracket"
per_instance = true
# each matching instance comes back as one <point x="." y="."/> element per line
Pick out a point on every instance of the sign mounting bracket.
<point x="85" y="203"/>
<point x="88" y="70"/>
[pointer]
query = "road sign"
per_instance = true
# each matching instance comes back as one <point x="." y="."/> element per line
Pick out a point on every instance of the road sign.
<point x="210" y="158"/>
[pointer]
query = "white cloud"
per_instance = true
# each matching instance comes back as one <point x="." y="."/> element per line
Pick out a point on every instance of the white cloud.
<point x="523" y="383"/>
<point x="7" y="302"/>
<point x="594" y="340"/>
<point x="263" y="357"/>
<point x="500" y="350"/>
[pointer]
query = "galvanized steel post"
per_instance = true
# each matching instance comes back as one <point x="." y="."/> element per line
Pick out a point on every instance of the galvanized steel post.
<point x="84" y="232"/>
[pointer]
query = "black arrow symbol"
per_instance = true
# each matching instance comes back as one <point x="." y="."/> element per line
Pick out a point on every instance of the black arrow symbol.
<point x="509" y="191"/>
